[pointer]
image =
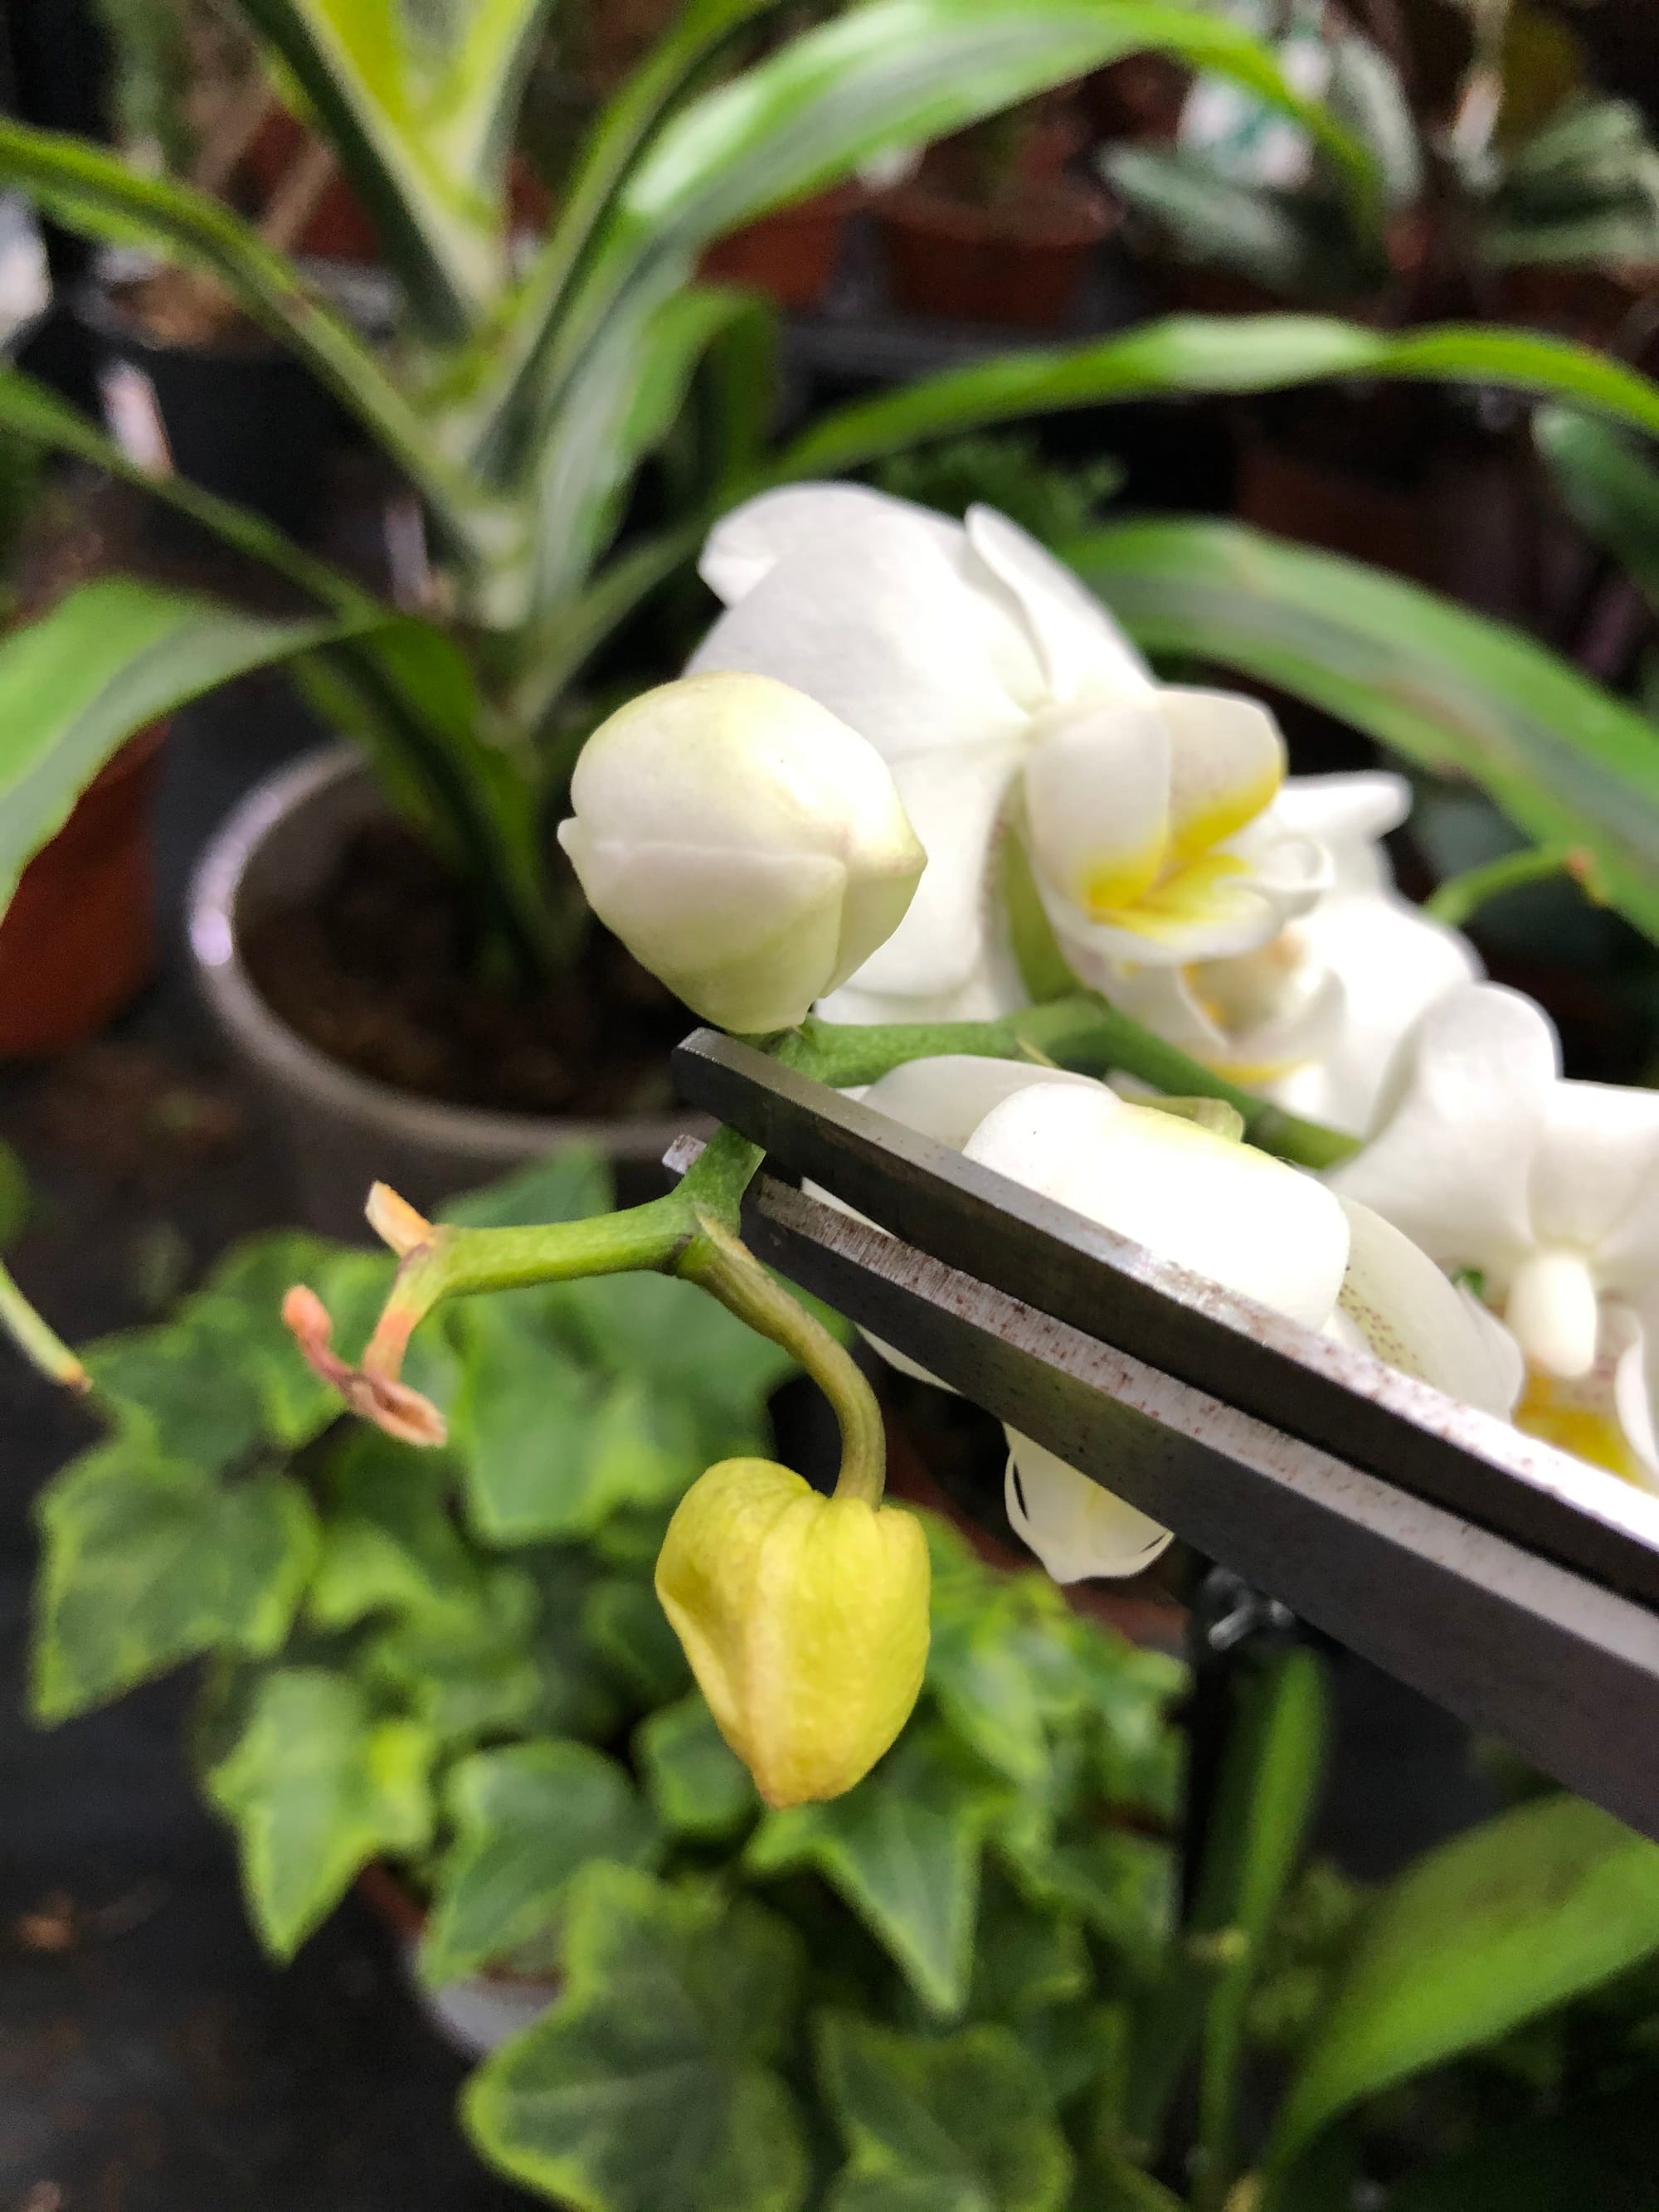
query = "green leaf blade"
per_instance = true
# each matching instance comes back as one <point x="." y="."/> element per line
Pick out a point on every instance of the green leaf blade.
<point x="1492" y="1928"/>
<point x="527" y="1817"/>
<point x="652" y="2082"/>
<point x="315" y="1788"/>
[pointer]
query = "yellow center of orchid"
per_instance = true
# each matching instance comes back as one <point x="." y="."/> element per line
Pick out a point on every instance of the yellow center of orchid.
<point x="1566" y="1415"/>
<point x="1180" y="878"/>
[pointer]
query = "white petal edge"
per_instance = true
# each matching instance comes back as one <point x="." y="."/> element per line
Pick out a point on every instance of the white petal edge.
<point x="1076" y="1529"/>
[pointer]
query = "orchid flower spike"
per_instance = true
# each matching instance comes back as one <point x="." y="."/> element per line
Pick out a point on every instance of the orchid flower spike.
<point x="746" y="847"/>
<point x="1547" y="1191"/>
<point x="1224" y="1210"/>
<point x="1002" y="695"/>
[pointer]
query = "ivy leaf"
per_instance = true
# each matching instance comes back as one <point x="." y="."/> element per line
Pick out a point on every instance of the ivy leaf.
<point x="1486" y="1931"/>
<point x="1119" y="1884"/>
<point x="625" y="1625"/>
<point x="526" y="1818"/>
<point x="651" y="2081"/>
<point x="1025" y="1960"/>
<point x="904" y="1851"/>
<point x="184" y="1390"/>
<point x="148" y="1563"/>
<point x="679" y="1341"/>
<point x="315" y="1787"/>
<point x="967" y="2121"/>
<point x="389" y="1543"/>
<point x="577" y="1694"/>
<point x="553" y="1446"/>
<point x="700" y="1788"/>
<point x="468" y="1673"/>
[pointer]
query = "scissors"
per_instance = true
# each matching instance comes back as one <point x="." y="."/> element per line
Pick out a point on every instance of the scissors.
<point x="1514" y="1584"/>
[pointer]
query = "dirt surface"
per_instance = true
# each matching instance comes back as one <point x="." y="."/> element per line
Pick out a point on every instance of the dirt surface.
<point x="381" y="970"/>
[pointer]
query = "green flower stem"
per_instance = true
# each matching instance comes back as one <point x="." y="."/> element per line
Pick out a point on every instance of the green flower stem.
<point x="1081" y="1032"/>
<point x="36" y="1341"/>
<point x="723" y="1264"/>
<point x="1460" y="896"/>
<point x="454" y="1262"/>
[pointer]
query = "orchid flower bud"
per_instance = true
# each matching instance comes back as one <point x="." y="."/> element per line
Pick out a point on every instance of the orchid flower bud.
<point x="747" y="847"/>
<point x="805" y="1618"/>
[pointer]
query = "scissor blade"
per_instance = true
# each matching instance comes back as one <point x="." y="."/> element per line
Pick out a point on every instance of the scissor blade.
<point x="1562" y="1668"/>
<point x="1239" y="1355"/>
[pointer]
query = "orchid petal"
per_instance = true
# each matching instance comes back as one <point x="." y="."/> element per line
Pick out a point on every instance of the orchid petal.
<point x="1083" y="653"/>
<point x="792" y="524"/>
<point x="1408" y="1313"/>
<point x="1596" y="1179"/>
<point x="1075" y="1527"/>
<point x="1226" y="764"/>
<point x="1229" y="1213"/>
<point x="744" y="936"/>
<point x="1347" y="814"/>
<point x="1554" y="1312"/>
<point x="948" y="1097"/>
<point x="954" y="801"/>
<point x="1452" y="1165"/>
<point x="874" y="620"/>
<point x="1096" y="796"/>
<point x="1391" y="964"/>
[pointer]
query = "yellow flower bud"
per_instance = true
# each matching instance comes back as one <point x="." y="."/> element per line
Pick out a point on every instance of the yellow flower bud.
<point x="805" y="1619"/>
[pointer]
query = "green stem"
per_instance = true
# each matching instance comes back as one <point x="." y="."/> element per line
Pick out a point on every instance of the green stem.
<point x="1460" y="896"/>
<point x="455" y="1263"/>
<point x="1082" y="1032"/>
<point x="723" y="1264"/>
<point x="36" y="1341"/>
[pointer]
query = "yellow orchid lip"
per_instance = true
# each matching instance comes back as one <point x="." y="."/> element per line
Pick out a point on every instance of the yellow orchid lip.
<point x="1557" y="1414"/>
<point x="1172" y="904"/>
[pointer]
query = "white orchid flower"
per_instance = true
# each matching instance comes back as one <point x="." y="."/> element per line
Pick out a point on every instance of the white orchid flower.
<point x="745" y="846"/>
<point x="998" y="689"/>
<point x="1549" y="1192"/>
<point x="1226" y="1211"/>
<point x="1316" y="1018"/>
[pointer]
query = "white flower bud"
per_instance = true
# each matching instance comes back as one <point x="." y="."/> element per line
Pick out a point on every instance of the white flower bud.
<point x="747" y="847"/>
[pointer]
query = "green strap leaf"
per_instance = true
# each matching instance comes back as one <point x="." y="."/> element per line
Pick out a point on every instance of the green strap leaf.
<point x="832" y="98"/>
<point x="615" y="415"/>
<point x="965" y="2125"/>
<point x="651" y="2081"/>
<point x="1220" y="353"/>
<point x="315" y="1787"/>
<point x="112" y="656"/>
<point x="1463" y="695"/>
<point x="904" y="1851"/>
<point x="503" y="365"/>
<point x="94" y="191"/>
<point x="1496" y="1926"/>
<point x="1610" y="490"/>
<point x="526" y="1818"/>
<point x="149" y="1562"/>
<point x="699" y="1786"/>
<point x="418" y="104"/>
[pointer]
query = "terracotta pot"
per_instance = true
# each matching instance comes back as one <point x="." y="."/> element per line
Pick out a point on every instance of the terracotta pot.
<point x="1021" y="267"/>
<point x="78" y="942"/>
<point x="790" y="256"/>
<point x="342" y="1130"/>
<point x="475" y="2015"/>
